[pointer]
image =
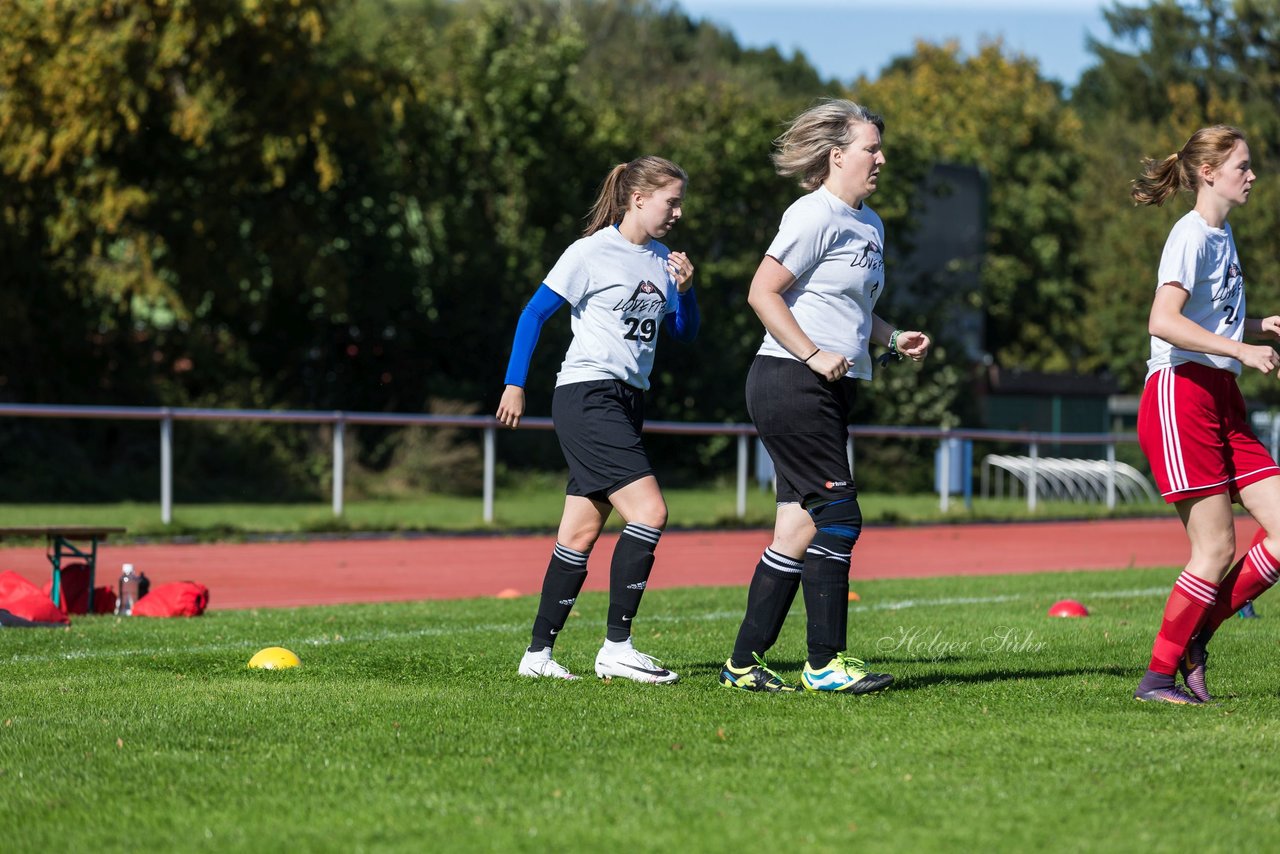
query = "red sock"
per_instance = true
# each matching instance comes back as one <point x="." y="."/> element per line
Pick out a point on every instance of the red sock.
<point x="1188" y="605"/>
<point x="1252" y="575"/>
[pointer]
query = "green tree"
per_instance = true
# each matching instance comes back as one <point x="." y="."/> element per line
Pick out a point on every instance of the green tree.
<point x="174" y="174"/>
<point x="330" y="204"/>
<point x="181" y="186"/>
<point x="996" y="112"/>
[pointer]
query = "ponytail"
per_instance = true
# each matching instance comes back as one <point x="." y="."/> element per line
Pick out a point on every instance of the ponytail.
<point x="1160" y="179"/>
<point x="610" y="204"/>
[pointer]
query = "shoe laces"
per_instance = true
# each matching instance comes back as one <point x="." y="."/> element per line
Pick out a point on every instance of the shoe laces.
<point x="554" y="668"/>
<point x="648" y="662"/>
<point x="852" y="666"/>
<point x="760" y="663"/>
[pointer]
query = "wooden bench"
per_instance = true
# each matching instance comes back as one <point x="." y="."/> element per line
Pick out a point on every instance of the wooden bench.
<point x="62" y="541"/>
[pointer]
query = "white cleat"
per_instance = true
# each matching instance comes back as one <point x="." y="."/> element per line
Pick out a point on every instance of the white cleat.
<point x="540" y="663"/>
<point x="624" y="661"/>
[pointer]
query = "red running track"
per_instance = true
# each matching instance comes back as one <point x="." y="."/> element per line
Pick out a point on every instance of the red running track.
<point x="321" y="572"/>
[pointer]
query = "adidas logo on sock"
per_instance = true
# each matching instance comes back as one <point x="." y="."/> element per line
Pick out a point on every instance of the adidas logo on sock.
<point x="639" y="585"/>
<point x="568" y="601"/>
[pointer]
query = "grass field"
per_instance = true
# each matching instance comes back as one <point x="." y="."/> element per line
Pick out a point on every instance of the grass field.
<point x="535" y="507"/>
<point x="407" y="730"/>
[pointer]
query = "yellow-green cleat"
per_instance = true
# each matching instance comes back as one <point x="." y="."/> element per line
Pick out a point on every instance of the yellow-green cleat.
<point x="844" y="673"/>
<point x="756" y="677"/>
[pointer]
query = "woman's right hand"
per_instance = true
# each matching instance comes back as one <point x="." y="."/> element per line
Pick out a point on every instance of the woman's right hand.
<point x="830" y="366"/>
<point x="1261" y="357"/>
<point x="511" y="407"/>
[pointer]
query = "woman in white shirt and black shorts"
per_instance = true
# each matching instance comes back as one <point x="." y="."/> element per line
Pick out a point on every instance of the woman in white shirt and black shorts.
<point x="622" y="286"/>
<point x="815" y="292"/>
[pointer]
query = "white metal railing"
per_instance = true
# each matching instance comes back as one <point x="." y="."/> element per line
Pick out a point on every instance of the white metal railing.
<point x="1069" y="479"/>
<point x="166" y="416"/>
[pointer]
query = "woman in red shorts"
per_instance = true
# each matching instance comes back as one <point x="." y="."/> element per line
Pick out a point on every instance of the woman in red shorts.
<point x="1192" y="423"/>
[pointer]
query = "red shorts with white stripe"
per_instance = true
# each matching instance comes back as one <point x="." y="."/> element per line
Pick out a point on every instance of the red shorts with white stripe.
<point x="1193" y="428"/>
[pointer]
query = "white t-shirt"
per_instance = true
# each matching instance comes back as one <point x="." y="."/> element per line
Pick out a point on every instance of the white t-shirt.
<point x="1205" y="261"/>
<point x="619" y="294"/>
<point x="836" y="254"/>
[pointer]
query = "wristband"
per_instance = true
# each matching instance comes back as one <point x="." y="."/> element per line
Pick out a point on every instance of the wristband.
<point x="893" y="343"/>
<point x="806" y="359"/>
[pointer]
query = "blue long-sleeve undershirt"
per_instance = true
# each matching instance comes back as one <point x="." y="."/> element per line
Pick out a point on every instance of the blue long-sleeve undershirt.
<point x="544" y="303"/>
<point x="681" y="324"/>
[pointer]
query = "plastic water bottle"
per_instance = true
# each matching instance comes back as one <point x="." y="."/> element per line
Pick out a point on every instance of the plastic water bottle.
<point x="128" y="591"/>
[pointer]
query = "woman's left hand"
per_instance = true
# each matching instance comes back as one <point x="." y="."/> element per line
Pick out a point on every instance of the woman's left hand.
<point x="914" y="345"/>
<point x="1270" y="325"/>
<point x="681" y="270"/>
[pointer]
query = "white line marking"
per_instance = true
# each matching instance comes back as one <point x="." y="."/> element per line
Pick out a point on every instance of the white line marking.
<point x="512" y="628"/>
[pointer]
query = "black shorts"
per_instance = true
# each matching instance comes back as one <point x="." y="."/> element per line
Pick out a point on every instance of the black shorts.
<point x="598" y="424"/>
<point x="803" y="422"/>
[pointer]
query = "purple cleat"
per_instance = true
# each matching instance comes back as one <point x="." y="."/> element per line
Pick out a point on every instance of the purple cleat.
<point x="1192" y="668"/>
<point x="1172" y="694"/>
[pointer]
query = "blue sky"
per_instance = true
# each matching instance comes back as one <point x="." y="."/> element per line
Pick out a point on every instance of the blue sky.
<point x="845" y="38"/>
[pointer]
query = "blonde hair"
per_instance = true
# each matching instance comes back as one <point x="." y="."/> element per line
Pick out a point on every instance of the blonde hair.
<point x="646" y="174"/>
<point x="1160" y="179"/>
<point x="804" y="148"/>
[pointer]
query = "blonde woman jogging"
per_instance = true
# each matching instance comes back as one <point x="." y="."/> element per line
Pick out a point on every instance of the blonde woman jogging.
<point x="815" y="292"/>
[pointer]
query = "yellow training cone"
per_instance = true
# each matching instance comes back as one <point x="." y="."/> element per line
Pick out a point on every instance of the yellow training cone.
<point x="274" y="658"/>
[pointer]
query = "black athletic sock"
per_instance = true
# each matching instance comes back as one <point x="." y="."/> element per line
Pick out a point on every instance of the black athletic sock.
<point x="825" y="579"/>
<point x="560" y="588"/>
<point x="628" y="575"/>
<point x="773" y="589"/>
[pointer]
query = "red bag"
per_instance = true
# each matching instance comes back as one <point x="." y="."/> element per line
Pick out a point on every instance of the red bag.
<point x="104" y="600"/>
<point x="175" y="599"/>
<point x="24" y="600"/>
<point x="75" y="592"/>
